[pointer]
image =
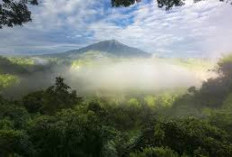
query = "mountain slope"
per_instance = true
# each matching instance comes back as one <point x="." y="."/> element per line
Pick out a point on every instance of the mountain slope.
<point x="111" y="47"/>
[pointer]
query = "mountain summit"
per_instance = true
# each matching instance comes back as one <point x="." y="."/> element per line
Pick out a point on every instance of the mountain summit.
<point x="112" y="47"/>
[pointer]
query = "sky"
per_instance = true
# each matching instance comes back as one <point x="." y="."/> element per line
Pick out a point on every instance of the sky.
<point x="193" y="30"/>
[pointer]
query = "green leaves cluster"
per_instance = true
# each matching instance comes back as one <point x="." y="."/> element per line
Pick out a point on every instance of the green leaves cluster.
<point x="189" y="137"/>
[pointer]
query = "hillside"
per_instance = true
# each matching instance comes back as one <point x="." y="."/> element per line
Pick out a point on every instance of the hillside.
<point x="108" y="47"/>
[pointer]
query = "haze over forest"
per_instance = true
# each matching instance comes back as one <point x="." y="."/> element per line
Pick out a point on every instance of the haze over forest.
<point x="109" y="66"/>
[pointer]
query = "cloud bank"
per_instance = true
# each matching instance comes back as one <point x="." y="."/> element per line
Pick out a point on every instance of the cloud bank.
<point x="194" y="30"/>
<point x="146" y="75"/>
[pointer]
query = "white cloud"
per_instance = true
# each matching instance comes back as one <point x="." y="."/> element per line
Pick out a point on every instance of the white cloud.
<point x="194" y="29"/>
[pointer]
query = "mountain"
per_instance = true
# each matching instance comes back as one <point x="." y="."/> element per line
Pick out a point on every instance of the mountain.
<point x="111" y="47"/>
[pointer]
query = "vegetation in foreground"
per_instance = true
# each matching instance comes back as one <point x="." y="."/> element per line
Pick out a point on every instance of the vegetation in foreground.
<point x="56" y="122"/>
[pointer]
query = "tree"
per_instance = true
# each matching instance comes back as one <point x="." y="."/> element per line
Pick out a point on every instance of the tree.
<point x="14" y="143"/>
<point x="68" y="133"/>
<point x="118" y="3"/>
<point x="155" y="152"/>
<point x="188" y="136"/>
<point x="13" y="111"/>
<point x="52" y="99"/>
<point x="167" y="4"/>
<point x="33" y="102"/>
<point x="15" y="12"/>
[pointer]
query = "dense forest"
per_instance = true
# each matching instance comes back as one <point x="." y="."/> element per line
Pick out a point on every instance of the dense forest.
<point x="58" y="122"/>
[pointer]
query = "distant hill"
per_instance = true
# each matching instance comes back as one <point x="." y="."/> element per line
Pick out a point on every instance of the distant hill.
<point x="7" y="67"/>
<point x="110" y="47"/>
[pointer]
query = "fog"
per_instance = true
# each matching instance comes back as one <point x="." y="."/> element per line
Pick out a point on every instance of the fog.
<point x="147" y="75"/>
<point x="110" y="75"/>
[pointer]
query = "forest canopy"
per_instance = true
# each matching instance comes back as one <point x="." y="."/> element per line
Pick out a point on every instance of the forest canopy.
<point x="58" y="122"/>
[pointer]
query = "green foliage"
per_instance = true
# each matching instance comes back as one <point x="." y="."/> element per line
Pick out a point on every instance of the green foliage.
<point x="14" y="12"/>
<point x="13" y="112"/>
<point x="7" y="67"/>
<point x="191" y="63"/>
<point x="155" y="152"/>
<point x="222" y="119"/>
<point x="6" y="124"/>
<point x="21" y="61"/>
<point x="215" y="93"/>
<point x="33" y="102"/>
<point x="14" y="143"/>
<point x="187" y="137"/>
<point x="225" y="66"/>
<point x="51" y="100"/>
<point x="68" y="133"/>
<point x="134" y="103"/>
<point x="150" y="100"/>
<point x="7" y="80"/>
<point x="55" y="122"/>
<point x="227" y="104"/>
<point x="168" y="4"/>
<point x="78" y="64"/>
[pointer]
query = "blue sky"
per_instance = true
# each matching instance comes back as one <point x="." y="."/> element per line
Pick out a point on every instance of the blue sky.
<point x="202" y="29"/>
